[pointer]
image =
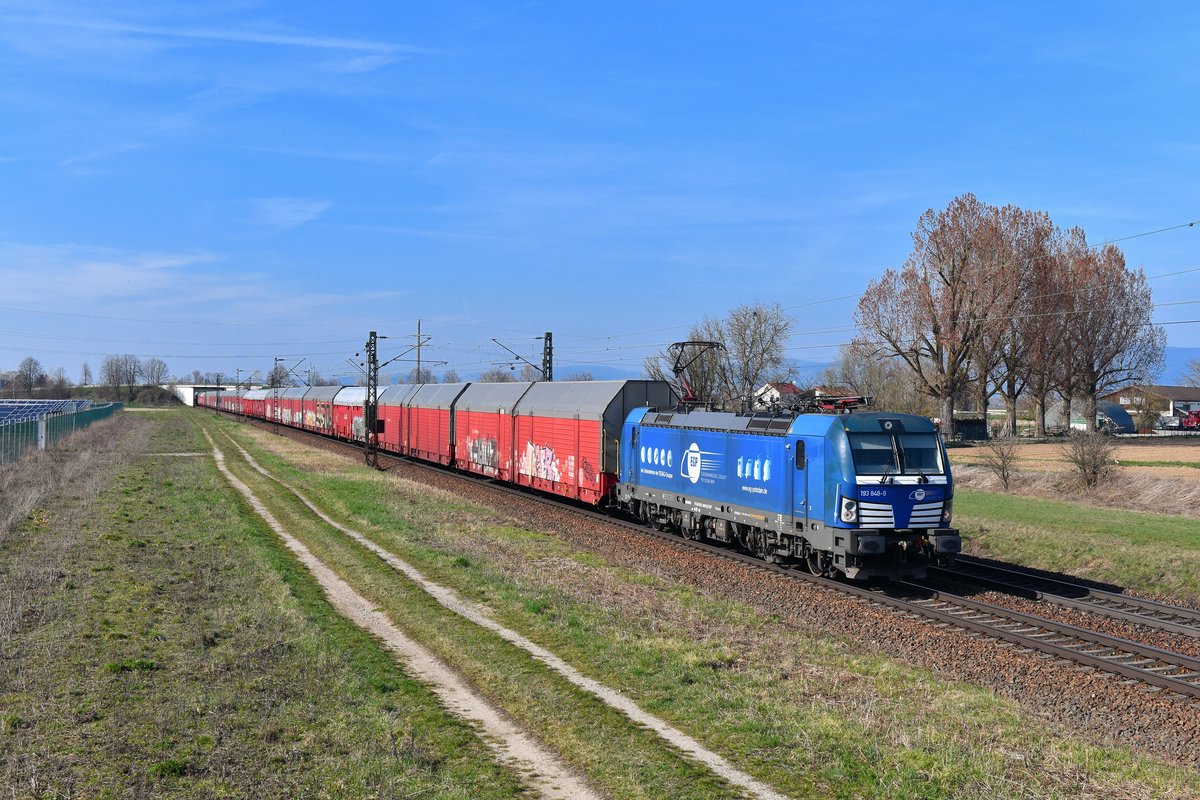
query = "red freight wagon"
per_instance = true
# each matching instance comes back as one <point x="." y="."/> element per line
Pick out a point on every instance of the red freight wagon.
<point x="317" y="408"/>
<point x="567" y="433"/>
<point x="483" y="428"/>
<point x="348" y="413"/>
<point x="393" y="415"/>
<point x="291" y="406"/>
<point x="231" y="401"/>
<point x="254" y="401"/>
<point x="428" y="425"/>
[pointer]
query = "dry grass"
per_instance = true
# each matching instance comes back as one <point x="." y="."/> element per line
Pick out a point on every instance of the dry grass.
<point x="155" y="641"/>
<point x="25" y="484"/>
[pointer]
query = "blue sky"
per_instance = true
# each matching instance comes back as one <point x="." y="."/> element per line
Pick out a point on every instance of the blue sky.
<point x="220" y="183"/>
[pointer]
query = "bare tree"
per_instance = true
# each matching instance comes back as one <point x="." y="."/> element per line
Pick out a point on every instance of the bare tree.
<point x="420" y="375"/>
<point x="1024" y="258"/>
<point x="754" y="337"/>
<point x="155" y="371"/>
<point x="450" y="376"/>
<point x="1000" y="456"/>
<point x="277" y="377"/>
<point x="131" y="369"/>
<point x="57" y="383"/>
<point x="29" y="374"/>
<point x="1091" y="453"/>
<point x="1192" y="376"/>
<point x="497" y="375"/>
<point x="110" y="374"/>
<point x="932" y="313"/>
<point x="1043" y="328"/>
<point x="581" y="375"/>
<point x="1113" y="334"/>
<point x="530" y="373"/>
<point x="889" y="383"/>
<point x="315" y="378"/>
<point x="85" y="375"/>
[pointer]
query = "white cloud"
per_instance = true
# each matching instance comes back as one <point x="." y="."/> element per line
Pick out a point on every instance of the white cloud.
<point x="286" y="212"/>
<point x="122" y="34"/>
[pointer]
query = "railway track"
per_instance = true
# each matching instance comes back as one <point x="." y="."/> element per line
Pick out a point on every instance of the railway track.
<point x="1162" y="670"/>
<point x="1184" y="621"/>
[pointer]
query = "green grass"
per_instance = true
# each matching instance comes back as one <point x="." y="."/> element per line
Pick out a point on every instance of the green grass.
<point x="1125" y="462"/>
<point x="811" y="715"/>
<point x="167" y="644"/>
<point x="1150" y="552"/>
<point x="617" y="755"/>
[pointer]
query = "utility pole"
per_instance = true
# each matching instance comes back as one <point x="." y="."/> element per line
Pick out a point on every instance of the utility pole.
<point x="548" y="356"/>
<point x="419" y="380"/>
<point x="371" y="403"/>
<point x="370" y="366"/>
<point x="275" y="394"/>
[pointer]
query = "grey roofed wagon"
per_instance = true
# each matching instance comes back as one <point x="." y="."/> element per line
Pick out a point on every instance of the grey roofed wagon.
<point x="497" y="398"/>
<point x="610" y="401"/>
<point x="257" y="394"/>
<point x="398" y="395"/>
<point x="323" y="393"/>
<point x="436" y="395"/>
<point x="607" y="401"/>
<point x="294" y="393"/>
<point x="351" y="396"/>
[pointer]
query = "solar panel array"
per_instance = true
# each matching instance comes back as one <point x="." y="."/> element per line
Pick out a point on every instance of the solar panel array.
<point x="13" y="411"/>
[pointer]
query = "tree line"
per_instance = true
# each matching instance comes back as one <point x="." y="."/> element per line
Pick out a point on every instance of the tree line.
<point x="991" y="301"/>
<point x="1000" y="301"/>
<point x="119" y="376"/>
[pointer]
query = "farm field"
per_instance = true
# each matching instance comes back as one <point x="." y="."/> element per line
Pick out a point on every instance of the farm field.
<point x="213" y="663"/>
<point x="1167" y="457"/>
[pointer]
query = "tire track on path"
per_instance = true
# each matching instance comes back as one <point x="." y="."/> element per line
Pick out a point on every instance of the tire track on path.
<point x="449" y="599"/>
<point x="543" y="769"/>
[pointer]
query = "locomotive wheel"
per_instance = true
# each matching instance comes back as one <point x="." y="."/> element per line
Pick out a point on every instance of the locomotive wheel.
<point x="814" y="563"/>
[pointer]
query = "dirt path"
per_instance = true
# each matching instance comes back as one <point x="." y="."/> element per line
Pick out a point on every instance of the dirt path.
<point x="448" y="598"/>
<point x="543" y="769"/>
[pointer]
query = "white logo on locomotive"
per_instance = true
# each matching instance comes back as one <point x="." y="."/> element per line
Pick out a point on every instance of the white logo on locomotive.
<point x="691" y="463"/>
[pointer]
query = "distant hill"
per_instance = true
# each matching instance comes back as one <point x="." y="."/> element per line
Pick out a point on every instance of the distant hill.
<point x="1176" y="364"/>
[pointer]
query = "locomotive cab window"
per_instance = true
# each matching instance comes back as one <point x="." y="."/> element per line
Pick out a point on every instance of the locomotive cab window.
<point x="799" y="454"/>
<point x="921" y="453"/>
<point x="874" y="453"/>
<point x="896" y="454"/>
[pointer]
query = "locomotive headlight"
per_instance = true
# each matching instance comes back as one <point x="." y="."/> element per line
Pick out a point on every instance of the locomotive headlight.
<point x="947" y="510"/>
<point x="849" y="510"/>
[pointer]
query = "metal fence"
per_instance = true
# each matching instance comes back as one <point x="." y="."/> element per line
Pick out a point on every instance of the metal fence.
<point x="48" y="429"/>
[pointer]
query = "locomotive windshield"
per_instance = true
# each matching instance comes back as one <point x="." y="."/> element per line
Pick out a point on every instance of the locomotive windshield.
<point x="902" y="454"/>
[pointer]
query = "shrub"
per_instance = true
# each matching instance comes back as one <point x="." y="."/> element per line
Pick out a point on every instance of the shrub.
<point x="1000" y="456"/>
<point x="1092" y="456"/>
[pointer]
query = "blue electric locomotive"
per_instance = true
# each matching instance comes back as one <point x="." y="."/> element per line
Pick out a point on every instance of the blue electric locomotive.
<point x="864" y="495"/>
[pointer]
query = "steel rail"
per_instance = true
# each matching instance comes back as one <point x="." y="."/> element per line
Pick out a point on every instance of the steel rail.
<point x="1152" y="614"/>
<point x="1140" y="663"/>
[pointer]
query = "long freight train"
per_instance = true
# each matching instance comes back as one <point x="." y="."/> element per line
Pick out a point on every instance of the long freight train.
<point x="862" y="494"/>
